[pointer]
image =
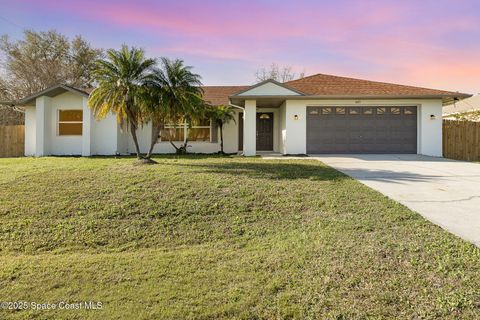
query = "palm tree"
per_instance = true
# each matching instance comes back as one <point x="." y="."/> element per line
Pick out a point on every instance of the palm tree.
<point x="153" y="106"/>
<point x="121" y="78"/>
<point x="179" y="98"/>
<point x="221" y="115"/>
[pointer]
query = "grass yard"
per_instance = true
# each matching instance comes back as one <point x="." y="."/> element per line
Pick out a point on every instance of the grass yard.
<point x="210" y="237"/>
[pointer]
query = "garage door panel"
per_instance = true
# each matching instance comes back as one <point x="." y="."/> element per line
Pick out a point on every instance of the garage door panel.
<point x="362" y="130"/>
<point x="342" y="139"/>
<point x="369" y="135"/>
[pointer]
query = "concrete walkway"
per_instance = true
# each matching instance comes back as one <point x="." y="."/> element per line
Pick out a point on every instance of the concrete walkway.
<point x="446" y="192"/>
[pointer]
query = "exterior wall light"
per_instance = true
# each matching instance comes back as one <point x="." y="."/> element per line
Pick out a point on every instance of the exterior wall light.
<point x="433" y="117"/>
<point x="295" y="117"/>
<point x="264" y="116"/>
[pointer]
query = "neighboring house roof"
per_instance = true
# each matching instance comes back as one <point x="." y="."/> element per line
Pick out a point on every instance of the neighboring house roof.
<point x="466" y="105"/>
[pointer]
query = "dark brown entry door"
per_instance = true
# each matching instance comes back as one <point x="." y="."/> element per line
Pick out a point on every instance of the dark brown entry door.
<point x="265" y="131"/>
<point x="362" y="129"/>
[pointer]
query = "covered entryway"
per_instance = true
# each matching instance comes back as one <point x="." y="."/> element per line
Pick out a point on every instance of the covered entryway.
<point x="374" y="130"/>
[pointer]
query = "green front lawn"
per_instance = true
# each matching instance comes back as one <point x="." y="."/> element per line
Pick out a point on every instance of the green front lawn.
<point x="210" y="237"/>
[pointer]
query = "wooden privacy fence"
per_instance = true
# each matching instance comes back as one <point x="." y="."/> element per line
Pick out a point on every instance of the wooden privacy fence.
<point x="461" y="140"/>
<point x="12" y="141"/>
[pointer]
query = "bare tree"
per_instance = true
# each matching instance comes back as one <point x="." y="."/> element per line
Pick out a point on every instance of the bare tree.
<point x="278" y="73"/>
<point x="38" y="61"/>
<point x="43" y="59"/>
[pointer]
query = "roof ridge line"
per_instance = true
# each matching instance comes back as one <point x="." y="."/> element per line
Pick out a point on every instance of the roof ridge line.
<point x="246" y="85"/>
<point x="310" y="76"/>
<point x="376" y="81"/>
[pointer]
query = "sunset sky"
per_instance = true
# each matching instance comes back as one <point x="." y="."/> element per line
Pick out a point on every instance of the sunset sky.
<point x="426" y="43"/>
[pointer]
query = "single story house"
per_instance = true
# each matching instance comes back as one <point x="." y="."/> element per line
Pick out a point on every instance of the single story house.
<point x="313" y="115"/>
<point x="464" y="107"/>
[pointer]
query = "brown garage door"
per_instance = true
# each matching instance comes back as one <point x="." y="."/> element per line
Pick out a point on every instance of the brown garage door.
<point x="361" y="129"/>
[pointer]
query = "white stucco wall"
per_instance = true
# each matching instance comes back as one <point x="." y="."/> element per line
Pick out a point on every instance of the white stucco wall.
<point x="295" y="130"/>
<point x="283" y="128"/>
<point x="144" y="138"/>
<point x="429" y="132"/>
<point x="87" y="129"/>
<point x="250" y="128"/>
<point x="98" y="137"/>
<point x="29" y="131"/>
<point x="122" y="140"/>
<point x="56" y="144"/>
<point x="230" y="135"/>
<point x="104" y="139"/>
<point x="42" y="128"/>
<point x="230" y="141"/>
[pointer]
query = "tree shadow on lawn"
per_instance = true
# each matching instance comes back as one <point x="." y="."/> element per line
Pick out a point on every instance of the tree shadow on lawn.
<point x="169" y="156"/>
<point x="281" y="170"/>
<point x="294" y="171"/>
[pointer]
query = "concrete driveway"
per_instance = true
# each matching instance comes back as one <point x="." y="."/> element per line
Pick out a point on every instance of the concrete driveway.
<point x="446" y="192"/>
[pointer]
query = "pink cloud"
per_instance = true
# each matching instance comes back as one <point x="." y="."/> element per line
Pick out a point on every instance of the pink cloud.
<point x="389" y="40"/>
<point x="212" y="52"/>
<point x="247" y="20"/>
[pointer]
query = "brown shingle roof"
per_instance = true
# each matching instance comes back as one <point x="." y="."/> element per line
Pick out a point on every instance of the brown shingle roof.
<point x="323" y="84"/>
<point x="218" y="95"/>
<point x="329" y="85"/>
<point x="315" y="85"/>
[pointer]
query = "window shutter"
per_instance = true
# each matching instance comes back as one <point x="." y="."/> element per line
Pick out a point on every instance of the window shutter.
<point x="214" y="132"/>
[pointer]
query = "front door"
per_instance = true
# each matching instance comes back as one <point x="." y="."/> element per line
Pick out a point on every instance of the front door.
<point x="265" y="131"/>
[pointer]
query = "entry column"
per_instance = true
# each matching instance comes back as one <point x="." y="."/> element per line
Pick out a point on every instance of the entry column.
<point x="87" y="129"/>
<point x="250" y="128"/>
<point x="42" y="111"/>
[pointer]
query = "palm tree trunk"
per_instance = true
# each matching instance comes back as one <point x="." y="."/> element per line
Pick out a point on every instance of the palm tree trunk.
<point x="177" y="149"/>
<point x="133" y="130"/>
<point x="187" y="130"/>
<point x="133" y="127"/>
<point x="221" y="137"/>
<point x="157" y="127"/>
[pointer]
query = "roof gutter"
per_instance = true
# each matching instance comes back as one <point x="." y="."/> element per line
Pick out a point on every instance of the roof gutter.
<point x="356" y="97"/>
<point x="235" y="106"/>
<point x="446" y="99"/>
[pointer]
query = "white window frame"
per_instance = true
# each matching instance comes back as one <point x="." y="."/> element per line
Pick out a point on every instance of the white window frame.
<point x="185" y="131"/>
<point x="59" y="122"/>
